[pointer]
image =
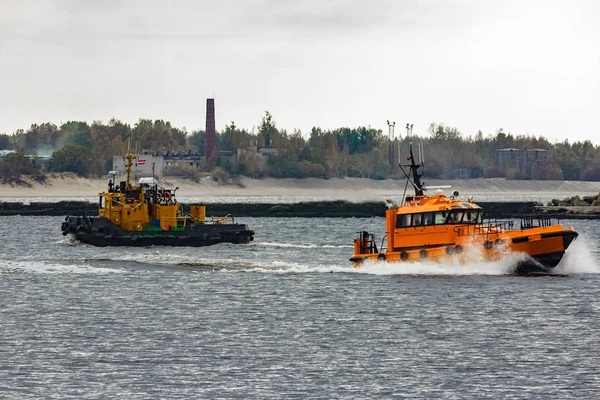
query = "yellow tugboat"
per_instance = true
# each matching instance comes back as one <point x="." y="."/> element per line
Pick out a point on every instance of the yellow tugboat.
<point x="146" y="214"/>
<point x="446" y="229"/>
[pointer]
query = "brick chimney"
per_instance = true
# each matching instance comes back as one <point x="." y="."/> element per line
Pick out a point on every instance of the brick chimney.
<point x="210" y="141"/>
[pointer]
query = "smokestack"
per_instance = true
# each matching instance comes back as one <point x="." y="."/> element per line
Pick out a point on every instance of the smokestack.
<point x="210" y="142"/>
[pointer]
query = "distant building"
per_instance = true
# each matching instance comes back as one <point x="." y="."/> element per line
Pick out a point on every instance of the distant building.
<point x="142" y="165"/>
<point x="537" y="160"/>
<point x="506" y="159"/>
<point x="529" y="162"/>
<point x="262" y="153"/>
<point x="4" y="153"/>
<point x="183" y="159"/>
<point x="44" y="161"/>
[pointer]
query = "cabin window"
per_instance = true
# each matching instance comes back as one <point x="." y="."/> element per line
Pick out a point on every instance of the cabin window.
<point x="403" y="220"/>
<point x="463" y="217"/>
<point x="479" y="217"/>
<point x="416" y="220"/>
<point x="472" y="217"/>
<point x="440" y="217"/>
<point x="428" y="218"/>
<point x="420" y="219"/>
<point x="101" y="202"/>
<point x="455" y="217"/>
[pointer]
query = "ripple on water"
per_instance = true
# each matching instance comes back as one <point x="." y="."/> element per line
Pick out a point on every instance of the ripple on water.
<point x="270" y="320"/>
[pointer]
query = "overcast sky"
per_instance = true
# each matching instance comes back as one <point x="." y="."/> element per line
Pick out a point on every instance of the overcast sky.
<point x="530" y="67"/>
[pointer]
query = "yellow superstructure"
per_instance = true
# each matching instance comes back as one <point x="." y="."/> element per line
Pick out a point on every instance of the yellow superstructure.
<point x="145" y="205"/>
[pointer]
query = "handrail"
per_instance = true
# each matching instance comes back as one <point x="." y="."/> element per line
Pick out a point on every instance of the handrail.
<point x="381" y="248"/>
<point x="484" y="228"/>
<point x="222" y="220"/>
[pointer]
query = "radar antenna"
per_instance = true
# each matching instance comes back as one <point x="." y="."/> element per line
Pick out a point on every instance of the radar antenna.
<point x="413" y="167"/>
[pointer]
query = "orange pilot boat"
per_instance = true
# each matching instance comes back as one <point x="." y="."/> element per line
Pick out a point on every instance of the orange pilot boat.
<point x="446" y="229"/>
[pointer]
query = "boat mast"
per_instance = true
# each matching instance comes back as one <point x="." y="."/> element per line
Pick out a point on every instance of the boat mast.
<point x="414" y="167"/>
<point x="129" y="158"/>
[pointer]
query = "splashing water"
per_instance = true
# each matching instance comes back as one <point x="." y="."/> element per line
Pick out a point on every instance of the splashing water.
<point x="45" y="267"/>
<point x="300" y="246"/>
<point x="578" y="259"/>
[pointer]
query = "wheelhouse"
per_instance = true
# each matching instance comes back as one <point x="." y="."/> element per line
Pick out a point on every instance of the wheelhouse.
<point x="457" y="216"/>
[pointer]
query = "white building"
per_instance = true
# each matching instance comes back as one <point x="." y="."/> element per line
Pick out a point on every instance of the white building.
<point x="142" y="165"/>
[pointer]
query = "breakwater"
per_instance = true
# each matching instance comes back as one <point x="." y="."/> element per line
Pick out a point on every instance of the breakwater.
<point x="331" y="209"/>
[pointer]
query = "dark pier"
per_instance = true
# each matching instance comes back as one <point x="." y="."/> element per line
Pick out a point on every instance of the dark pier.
<point x="323" y="209"/>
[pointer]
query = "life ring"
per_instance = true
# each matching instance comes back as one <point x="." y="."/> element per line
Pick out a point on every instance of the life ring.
<point x="403" y="255"/>
<point x="487" y="244"/>
<point x="381" y="256"/>
<point x="449" y="250"/>
<point x="423" y="253"/>
<point x="458" y="249"/>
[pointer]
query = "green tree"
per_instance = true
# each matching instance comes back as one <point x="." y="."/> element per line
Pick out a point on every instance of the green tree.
<point x="158" y="136"/>
<point x="118" y="129"/>
<point x="102" y="144"/>
<point x="5" y="143"/>
<point x="225" y="140"/>
<point x="195" y="141"/>
<point x="267" y="131"/>
<point x="72" y="158"/>
<point x="76" y="133"/>
<point x="41" y="138"/>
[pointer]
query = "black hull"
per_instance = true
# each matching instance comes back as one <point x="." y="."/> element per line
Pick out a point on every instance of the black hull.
<point x="136" y="241"/>
<point x="539" y="264"/>
<point x="101" y="232"/>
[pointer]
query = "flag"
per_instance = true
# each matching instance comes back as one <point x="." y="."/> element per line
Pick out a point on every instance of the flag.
<point x="141" y="162"/>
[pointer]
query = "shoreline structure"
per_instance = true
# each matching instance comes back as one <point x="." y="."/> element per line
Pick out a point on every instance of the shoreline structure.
<point x="310" y="209"/>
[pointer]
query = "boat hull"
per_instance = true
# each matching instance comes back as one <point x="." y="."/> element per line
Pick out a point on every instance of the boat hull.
<point x="98" y="231"/>
<point x="542" y="250"/>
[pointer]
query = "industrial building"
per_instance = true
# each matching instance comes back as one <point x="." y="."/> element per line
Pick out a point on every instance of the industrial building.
<point x="529" y="162"/>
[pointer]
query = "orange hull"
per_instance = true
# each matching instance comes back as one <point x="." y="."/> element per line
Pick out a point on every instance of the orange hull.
<point x="442" y="229"/>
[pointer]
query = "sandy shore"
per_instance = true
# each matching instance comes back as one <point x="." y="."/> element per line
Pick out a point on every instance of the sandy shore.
<point x="70" y="185"/>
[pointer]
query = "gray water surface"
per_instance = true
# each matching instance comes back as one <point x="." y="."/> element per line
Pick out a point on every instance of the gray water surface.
<point x="288" y="317"/>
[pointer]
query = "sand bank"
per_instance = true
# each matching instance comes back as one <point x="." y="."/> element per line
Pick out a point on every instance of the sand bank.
<point x="70" y="185"/>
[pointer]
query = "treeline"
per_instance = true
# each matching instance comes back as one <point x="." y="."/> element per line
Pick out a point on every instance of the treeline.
<point x="344" y="152"/>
